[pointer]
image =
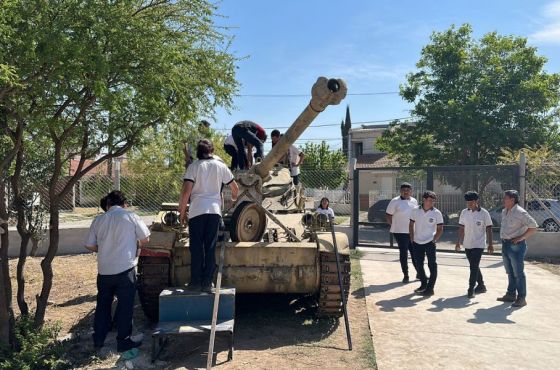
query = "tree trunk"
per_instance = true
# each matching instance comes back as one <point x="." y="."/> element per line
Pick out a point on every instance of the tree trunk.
<point x="46" y="263"/>
<point x="20" y="277"/>
<point x="6" y="312"/>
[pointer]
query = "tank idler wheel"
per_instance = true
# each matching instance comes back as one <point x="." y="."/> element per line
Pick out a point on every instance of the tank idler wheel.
<point x="248" y="223"/>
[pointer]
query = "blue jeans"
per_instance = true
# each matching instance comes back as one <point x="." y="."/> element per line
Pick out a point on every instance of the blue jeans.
<point x="513" y="256"/>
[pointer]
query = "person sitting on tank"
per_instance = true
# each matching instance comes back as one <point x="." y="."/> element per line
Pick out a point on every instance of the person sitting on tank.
<point x="248" y="134"/>
<point x="231" y="149"/>
<point x="202" y="184"/>
<point x="324" y="208"/>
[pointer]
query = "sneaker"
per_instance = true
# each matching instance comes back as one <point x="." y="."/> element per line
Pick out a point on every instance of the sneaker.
<point x="519" y="302"/>
<point x="207" y="288"/>
<point x="405" y="280"/>
<point x="194" y="287"/>
<point x="420" y="289"/>
<point x="480" y="289"/>
<point x="428" y="292"/>
<point x="126" y="344"/>
<point x="507" y="298"/>
<point x="470" y="293"/>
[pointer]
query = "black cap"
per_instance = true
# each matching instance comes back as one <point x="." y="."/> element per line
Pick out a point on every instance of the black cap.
<point x="406" y="185"/>
<point x="205" y="123"/>
<point x="471" y="195"/>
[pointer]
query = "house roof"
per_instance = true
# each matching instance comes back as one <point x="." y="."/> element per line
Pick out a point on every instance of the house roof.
<point x="376" y="160"/>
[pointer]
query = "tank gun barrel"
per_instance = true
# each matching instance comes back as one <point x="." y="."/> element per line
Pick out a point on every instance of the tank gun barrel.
<point x="324" y="92"/>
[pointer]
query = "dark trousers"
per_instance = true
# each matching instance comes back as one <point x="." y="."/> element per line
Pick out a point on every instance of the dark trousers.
<point x="405" y="246"/>
<point x="232" y="152"/>
<point x="428" y="250"/>
<point x="295" y="179"/>
<point x="474" y="255"/>
<point x="122" y="285"/>
<point x="203" y="234"/>
<point x="240" y="133"/>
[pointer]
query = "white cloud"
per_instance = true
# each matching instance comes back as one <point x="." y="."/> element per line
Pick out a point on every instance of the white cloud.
<point x="549" y="31"/>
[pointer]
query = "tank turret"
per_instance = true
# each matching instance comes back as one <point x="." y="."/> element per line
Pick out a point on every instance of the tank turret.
<point x="245" y="218"/>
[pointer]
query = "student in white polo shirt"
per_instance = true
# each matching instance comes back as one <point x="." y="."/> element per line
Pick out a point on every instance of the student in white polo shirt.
<point x="398" y="216"/>
<point x="425" y="228"/>
<point x="475" y="229"/>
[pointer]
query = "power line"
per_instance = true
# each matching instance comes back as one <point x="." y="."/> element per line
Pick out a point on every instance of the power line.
<point x="331" y="124"/>
<point x="307" y="95"/>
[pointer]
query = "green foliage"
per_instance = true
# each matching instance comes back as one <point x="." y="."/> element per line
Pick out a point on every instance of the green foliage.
<point x="473" y="98"/>
<point x="37" y="349"/>
<point x="323" y="167"/>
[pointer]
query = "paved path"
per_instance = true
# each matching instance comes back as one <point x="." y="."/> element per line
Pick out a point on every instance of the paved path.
<point x="449" y="331"/>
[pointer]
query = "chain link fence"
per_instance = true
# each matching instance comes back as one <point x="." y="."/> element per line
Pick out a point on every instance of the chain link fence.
<point x="543" y="194"/>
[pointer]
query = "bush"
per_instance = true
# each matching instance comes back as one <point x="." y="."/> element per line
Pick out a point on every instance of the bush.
<point x="36" y="349"/>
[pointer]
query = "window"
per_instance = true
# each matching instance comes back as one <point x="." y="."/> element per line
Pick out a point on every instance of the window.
<point x="358" y="149"/>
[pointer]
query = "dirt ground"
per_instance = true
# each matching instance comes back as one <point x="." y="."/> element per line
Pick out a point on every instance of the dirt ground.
<point x="550" y="264"/>
<point x="272" y="331"/>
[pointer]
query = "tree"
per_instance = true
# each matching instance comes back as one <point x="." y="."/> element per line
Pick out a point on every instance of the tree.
<point x="93" y="77"/>
<point x="323" y="167"/>
<point x="473" y="98"/>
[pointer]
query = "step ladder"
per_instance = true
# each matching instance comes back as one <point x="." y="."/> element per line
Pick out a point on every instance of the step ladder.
<point x="182" y="312"/>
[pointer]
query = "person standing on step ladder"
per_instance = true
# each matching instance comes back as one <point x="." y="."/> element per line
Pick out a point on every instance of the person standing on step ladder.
<point x="202" y="184"/>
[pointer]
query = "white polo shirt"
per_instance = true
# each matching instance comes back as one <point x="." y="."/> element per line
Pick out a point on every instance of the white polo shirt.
<point x="328" y="212"/>
<point x="425" y="224"/>
<point x="115" y="234"/>
<point x="294" y="158"/>
<point x="207" y="176"/>
<point x="400" y="208"/>
<point x="475" y="224"/>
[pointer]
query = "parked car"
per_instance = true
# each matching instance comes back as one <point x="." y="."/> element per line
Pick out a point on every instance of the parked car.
<point x="377" y="211"/>
<point x="540" y="214"/>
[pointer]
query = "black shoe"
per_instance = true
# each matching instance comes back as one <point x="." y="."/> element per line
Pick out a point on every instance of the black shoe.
<point x="470" y="293"/>
<point x="480" y="289"/>
<point x="207" y="288"/>
<point x="125" y="345"/>
<point x="194" y="287"/>
<point x="421" y="289"/>
<point x="405" y="280"/>
<point x="428" y="292"/>
<point x="507" y="298"/>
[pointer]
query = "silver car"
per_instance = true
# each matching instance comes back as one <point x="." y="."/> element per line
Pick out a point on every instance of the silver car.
<point x="541" y="215"/>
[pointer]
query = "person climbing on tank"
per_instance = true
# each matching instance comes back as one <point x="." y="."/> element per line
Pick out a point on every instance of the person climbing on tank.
<point x="231" y="149"/>
<point x="294" y="157"/>
<point x="248" y="134"/>
<point x="202" y="184"/>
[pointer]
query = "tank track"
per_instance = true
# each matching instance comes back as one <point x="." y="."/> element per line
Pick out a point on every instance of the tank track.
<point x="330" y="301"/>
<point x="153" y="277"/>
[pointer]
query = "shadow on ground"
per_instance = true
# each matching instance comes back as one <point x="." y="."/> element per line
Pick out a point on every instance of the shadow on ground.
<point x="263" y="322"/>
<point x="495" y="315"/>
<point x="408" y="300"/>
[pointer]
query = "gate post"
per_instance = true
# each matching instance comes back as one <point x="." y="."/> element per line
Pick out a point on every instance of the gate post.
<point x="522" y="178"/>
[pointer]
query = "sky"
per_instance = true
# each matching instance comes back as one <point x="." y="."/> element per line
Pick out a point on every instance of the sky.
<point x="284" y="46"/>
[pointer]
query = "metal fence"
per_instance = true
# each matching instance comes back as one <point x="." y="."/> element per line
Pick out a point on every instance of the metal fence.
<point x="543" y="194"/>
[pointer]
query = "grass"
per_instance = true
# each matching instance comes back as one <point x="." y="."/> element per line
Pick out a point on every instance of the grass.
<point x="367" y="351"/>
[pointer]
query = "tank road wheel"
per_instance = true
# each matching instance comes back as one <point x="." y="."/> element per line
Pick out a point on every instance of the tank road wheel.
<point x="153" y="277"/>
<point x="329" y="300"/>
<point x="248" y="223"/>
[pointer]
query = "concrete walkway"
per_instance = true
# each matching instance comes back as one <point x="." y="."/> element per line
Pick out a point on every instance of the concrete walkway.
<point x="449" y="331"/>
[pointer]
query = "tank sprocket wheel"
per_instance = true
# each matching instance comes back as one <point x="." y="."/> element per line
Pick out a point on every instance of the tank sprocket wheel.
<point x="153" y="277"/>
<point x="329" y="300"/>
<point x="248" y="223"/>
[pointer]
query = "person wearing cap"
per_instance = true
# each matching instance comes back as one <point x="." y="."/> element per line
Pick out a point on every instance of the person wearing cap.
<point x="248" y="134"/>
<point x="425" y="228"/>
<point x="517" y="225"/>
<point x="294" y="155"/>
<point x="203" y="182"/>
<point x="398" y="216"/>
<point x="475" y="230"/>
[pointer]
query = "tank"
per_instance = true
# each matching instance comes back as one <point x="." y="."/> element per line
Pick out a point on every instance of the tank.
<point x="263" y="253"/>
